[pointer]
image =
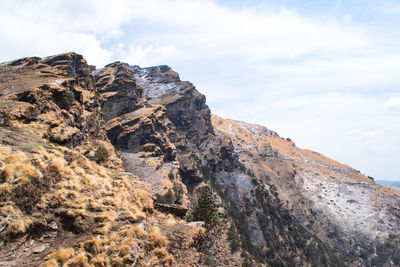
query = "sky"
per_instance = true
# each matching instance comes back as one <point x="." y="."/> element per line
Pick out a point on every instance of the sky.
<point x="324" y="73"/>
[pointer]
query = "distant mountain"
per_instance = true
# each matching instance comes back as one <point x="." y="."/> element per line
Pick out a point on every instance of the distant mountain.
<point x="388" y="183"/>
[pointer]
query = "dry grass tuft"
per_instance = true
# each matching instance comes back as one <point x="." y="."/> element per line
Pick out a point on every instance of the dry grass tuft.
<point x="200" y="232"/>
<point x="4" y="151"/>
<point x="8" y="210"/>
<point x="133" y="231"/>
<point x="80" y="260"/>
<point x="154" y="261"/>
<point x="156" y="240"/>
<point x="14" y="157"/>
<point x="160" y="252"/>
<point x="21" y="172"/>
<point x="92" y="246"/>
<point x="116" y="262"/>
<point x="61" y="255"/>
<point x="144" y="200"/>
<point x="100" y="260"/>
<point x="95" y="205"/>
<point x="20" y="226"/>
<point x="105" y="216"/>
<point x="168" y="260"/>
<point x="124" y="250"/>
<point x="50" y="263"/>
<point x="103" y="228"/>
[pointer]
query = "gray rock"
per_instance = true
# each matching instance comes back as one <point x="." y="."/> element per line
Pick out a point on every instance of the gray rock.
<point x="3" y="226"/>
<point x="38" y="249"/>
<point x="53" y="226"/>
<point x="196" y="224"/>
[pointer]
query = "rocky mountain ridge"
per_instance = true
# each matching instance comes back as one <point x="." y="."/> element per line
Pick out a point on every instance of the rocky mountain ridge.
<point x="149" y="138"/>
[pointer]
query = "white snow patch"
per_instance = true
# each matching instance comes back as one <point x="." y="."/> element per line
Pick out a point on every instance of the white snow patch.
<point x="97" y="71"/>
<point x="57" y="82"/>
<point x="153" y="86"/>
<point x="352" y="205"/>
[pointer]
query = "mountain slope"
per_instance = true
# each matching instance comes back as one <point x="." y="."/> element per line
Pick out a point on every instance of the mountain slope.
<point x="104" y="167"/>
<point x="338" y="204"/>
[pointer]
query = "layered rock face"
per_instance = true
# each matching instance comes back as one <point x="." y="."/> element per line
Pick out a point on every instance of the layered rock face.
<point x="135" y="145"/>
<point x="189" y="115"/>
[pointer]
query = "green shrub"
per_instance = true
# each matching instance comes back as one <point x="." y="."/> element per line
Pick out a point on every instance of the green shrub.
<point x="206" y="208"/>
<point x="64" y="99"/>
<point x="234" y="240"/>
<point x="173" y="196"/>
<point x="101" y="154"/>
<point x="167" y="198"/>
<point x="93" y="122"/>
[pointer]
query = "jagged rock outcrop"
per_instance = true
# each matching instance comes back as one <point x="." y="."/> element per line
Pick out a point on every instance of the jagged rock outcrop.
<point x="186" y="109"/>
<point x="103" y="166"/>
<point x="119" y="90"/>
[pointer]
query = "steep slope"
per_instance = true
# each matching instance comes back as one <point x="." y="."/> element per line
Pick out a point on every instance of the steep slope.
<point x="105" y="167"/>
<point x="337" y="203"/>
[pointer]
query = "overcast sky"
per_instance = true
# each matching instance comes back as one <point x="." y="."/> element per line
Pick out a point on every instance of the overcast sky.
<point x="324" y="73"/>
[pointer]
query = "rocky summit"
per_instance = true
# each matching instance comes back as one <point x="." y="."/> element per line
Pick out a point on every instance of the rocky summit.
<point x="126" y="166"/>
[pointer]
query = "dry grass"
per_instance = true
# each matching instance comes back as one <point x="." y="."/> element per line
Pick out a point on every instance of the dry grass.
<point x="20" y="226"/>
<point x="168" y="260"/>
<point x="133" y="231"/>
<point x="18" y="168"/>
<point x="105" y="216"/>
<point x="80" y="260"/>
<point x="116" y="262"/>
<point x="8" y="210"/>
<point x="154" y="261"/>
<point x="93" y="246"/>
<point x="156" y="240"/>
<point x="160" y="252"/>
<point x="50" y="263"/>
<point x="103" y="228"/>
<point x="91" y="198"/>
<point x="95" y="205"/>
<point x="131" y="244"/>
<point x="100" y="260"/>
<point x="61" y="255"/>
<point x="123" y="250"/>
<point x="200" y="232"/>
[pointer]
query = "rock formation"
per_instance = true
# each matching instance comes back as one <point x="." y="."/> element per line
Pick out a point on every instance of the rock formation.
<point x="102" y="167"/>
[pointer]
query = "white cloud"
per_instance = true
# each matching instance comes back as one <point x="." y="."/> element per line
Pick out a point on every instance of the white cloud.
<point x="148" y="55"/>
<point x="388" y="9"/>
<point x="47" y="27"/>
<point x="393" y="103"/>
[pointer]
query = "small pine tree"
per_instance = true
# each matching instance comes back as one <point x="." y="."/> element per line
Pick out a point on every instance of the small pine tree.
<point x="206" y="208"/>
